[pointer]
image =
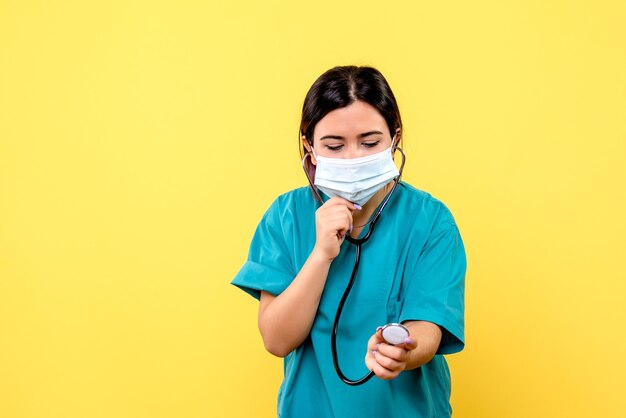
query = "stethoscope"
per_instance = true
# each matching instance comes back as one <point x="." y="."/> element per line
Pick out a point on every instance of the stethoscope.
<point x="393" y="333"/>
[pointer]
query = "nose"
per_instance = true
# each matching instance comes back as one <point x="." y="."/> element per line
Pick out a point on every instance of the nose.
<point x="351" y="152"/>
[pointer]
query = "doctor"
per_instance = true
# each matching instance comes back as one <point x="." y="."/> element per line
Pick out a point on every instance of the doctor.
<point x="412" y="269"/>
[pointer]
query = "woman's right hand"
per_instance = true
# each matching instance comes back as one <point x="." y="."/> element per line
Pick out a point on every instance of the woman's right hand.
<point x="333" y="220"/>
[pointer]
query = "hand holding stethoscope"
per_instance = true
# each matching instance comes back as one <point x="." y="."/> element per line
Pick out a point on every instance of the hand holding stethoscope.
<point x="333" y="221"/>
<point x="388" y="360"/>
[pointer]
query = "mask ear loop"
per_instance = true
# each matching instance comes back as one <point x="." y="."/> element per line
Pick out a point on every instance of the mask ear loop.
<point x="306" y="173"/>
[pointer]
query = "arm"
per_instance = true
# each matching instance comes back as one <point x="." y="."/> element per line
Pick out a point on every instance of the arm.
<point x="286" y="320"/>
<point x="427" y="337"/>
<point x="437" y="293"/>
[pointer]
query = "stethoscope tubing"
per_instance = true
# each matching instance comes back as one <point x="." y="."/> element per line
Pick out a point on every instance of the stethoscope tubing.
<point x="357" y="259"/>
<point x="333" y="336"/>
<point x="357" y="242"/>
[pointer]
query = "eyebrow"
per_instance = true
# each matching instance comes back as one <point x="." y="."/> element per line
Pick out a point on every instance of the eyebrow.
<point x="359" y="136"/>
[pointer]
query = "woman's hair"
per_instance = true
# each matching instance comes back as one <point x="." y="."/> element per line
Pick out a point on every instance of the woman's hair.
<point x="340" y="87"/>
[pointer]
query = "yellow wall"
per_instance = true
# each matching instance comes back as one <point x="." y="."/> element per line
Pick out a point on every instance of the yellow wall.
<point x="141" y="141"/>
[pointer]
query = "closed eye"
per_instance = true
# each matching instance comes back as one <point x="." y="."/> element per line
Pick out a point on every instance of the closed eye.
<point x="371" y="144"/>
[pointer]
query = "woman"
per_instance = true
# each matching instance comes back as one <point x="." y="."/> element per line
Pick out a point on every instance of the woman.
<point x="411" y="269"/>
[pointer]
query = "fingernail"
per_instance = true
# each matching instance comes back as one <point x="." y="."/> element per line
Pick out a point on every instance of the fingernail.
<point x="350" y="230"/>
<point x="408" y="341"/>
<point x="374" y="353"/>
<point x="377" y="345"/>
<point x="357" y="207"/>
<point x="378" y="329"/>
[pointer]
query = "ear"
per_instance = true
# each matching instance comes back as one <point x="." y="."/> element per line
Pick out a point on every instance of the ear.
<point x="398" y="137"/>
<point x="309" y="149"/>
<point x="396" y="142"/>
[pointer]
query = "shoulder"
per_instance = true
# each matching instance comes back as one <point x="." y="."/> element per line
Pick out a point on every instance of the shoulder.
<point x="288" y="204"/>
<point x="425" y="207"/>
<point x="296" y="198"/>
<point x="299" y="195"/>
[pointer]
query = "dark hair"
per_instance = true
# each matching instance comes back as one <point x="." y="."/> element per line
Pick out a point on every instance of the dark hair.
<point x="340" y="87"/>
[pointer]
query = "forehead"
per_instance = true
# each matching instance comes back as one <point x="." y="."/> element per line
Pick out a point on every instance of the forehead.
<point x="351" y="120"/>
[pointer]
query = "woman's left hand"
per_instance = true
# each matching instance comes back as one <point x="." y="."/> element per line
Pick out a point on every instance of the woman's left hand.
<point x="385" y="360"/>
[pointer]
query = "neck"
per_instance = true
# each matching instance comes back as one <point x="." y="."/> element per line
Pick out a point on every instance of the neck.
<point x="359" y="218"/>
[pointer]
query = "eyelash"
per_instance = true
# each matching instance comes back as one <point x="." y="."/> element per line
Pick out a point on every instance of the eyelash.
<point x="365" y="144"/>
<point x="371" y="144"/>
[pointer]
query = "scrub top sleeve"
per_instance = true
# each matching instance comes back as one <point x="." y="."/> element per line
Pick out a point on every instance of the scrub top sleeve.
<point x="436" y="287"/>
<point x="269" y="266"/>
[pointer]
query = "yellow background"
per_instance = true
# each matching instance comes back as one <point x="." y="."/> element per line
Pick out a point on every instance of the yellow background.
<point x="141" y="142"/>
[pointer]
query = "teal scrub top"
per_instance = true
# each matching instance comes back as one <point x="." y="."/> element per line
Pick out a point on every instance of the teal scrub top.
<point x="412" y="268"/>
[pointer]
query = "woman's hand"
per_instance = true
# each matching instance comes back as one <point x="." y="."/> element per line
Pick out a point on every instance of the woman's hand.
<point x="385" y="360"/>
<point x="333" y="220"/>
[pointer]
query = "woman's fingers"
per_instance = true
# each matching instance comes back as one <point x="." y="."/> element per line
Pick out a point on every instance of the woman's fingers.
<point x="397" y="353"/>
<point x="409" y="344"/>
<point x="376" y="338"/>
<point x="333" y="220"/>
<point x="382" y="372"/>
<point x="337" y="212"/>
<point x="387" y="362"/>
<point x="333" y="201"/>
<point x="337" y="220"/>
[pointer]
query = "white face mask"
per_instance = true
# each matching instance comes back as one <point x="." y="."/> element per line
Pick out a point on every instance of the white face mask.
<point x="355" y="179"/>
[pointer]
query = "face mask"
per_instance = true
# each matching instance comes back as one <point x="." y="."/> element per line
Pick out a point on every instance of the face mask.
<point x="355" y="179"/>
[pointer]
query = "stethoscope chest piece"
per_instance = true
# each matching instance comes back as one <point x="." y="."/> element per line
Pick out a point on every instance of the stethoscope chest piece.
<point x="395" y="333"/>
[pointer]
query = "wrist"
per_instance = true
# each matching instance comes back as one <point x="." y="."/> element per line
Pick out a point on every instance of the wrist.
<point x="319" y="257"/>
<point x="428" y="337"/>
<point x="416" y="359"/>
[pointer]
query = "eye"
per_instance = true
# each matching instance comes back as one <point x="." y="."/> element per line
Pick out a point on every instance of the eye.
<point x="370" y="144"/>
<point x="334" y="147"/>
